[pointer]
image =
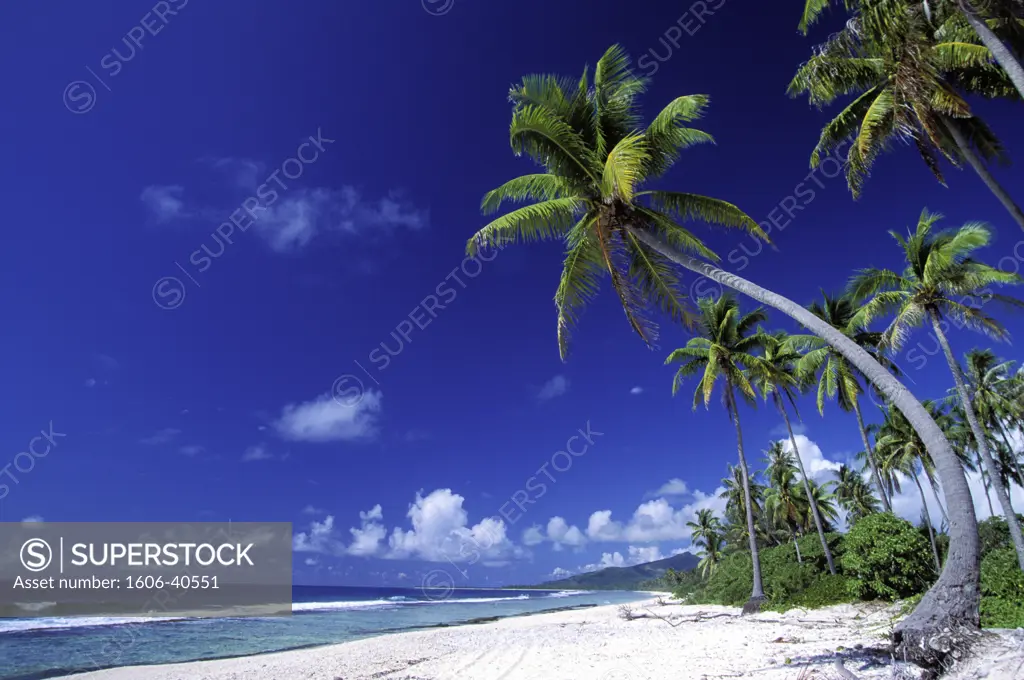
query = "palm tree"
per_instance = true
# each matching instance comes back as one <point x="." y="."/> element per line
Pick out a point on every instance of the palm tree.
<point x="821" y="495"/>
<point x="781" y="383"/>
<point x="994" y="391"/>
<point x="854" y="494"/>
<point x="837" y="379"/>
<point x="707" y="533"/>
<point x="905" y="84"/>
<point x="783" y="503"/>
<point x="882" y="14"/>
<point x="940" y="272"/>
<point x="587" y="139"/>
<point x="724" y="350"/>
<point x="901" y="451"/>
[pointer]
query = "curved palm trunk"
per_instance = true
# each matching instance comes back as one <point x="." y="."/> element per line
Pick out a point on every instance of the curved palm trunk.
<point x="947" y="616"/>
<point x="979" y="436"/>
<point x="1000" y="52"/>
<point x="757" y="594"/>
<point x="796" y="544"/>
<point x="979" y="167"/>
<point x="807" y="490"/>
<point x="928" y="523"/>
<point x="870" y="452"/>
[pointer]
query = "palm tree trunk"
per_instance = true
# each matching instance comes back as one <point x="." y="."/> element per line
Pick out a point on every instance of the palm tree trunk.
<point x="757" y="595"/>
<point x="807" y="489"/>
<point x="928" y="522"/>
<point x="979" y="167"/>
<point x="982" y="444"/>
<point x="947" y="617"/>
<point x="983" y="473"/>
<point x="1000" y="52"/>
<point x="870" y="452"/>
<point x="935" y="491"/>
<point x="1013" y="454"/>
<point x="796" y="544"/>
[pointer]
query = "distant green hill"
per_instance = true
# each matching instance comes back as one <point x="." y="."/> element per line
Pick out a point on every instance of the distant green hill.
<point x="637" y="577"/>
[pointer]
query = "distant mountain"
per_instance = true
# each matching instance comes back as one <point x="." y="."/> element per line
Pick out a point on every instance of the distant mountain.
<point x="623" y="578"/>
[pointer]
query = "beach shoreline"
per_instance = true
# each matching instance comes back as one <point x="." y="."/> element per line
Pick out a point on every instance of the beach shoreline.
<point x="662" y="642"/>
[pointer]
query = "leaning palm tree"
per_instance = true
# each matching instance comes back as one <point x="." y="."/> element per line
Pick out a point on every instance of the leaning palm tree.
<point x="706" y="533"/>
<point x="854" y="495"/>
<point x="595" y="157"/>
<point x="837" y="379"/>
<point x="724" y="350"/>
<point x="822" y="496"/>
<point x="780" y="382"/>
<point x="900" y="450"/>
<point x="905" y="81"/>
<point x="981" y="18"/>
<point x="940" y="272"/>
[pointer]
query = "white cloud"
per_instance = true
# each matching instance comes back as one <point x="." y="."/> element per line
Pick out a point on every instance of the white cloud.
<point x="672" y="488"/>
<point x="555" y="387"/>
<point x="311" y="562"/>
<point x="326" y="420"/>
<point x="636" y="390"/>
<point x="90" y="382"/>
<point x="257" y="452"/>
<point x="32" y="518"/>
<point x="440" y="533"/>
<point x="162" y="437"/>
<point x="533" y="536"/>
<point x="191" y="450"/>
<point x="653" y="521"/>
<point x="310" y="510"/>
<point x="366" y="540"/>
<point x="818" y="467"/>
<point x="164" y="202"/>
<point x="634" y="555"/>
<point x="560" y="573"/>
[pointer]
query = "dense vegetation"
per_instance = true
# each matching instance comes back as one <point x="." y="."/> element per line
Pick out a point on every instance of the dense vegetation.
<point x="882" y="557"/>
<point x="911" y="69"/>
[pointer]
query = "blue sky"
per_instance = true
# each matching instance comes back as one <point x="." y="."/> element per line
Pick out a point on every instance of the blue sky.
<point x="335" y="362"/>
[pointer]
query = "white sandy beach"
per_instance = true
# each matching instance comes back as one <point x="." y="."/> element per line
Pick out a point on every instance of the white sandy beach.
<point x="671" y="642"/>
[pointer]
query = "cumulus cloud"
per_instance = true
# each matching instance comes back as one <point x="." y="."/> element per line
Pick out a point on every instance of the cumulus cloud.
<point x="311" y="510"/>
<point x="558" y="532"/>
<point x="32" y="519"/>
<point x="634" y="555"/>
<point x="325" y="419"/>
<point x="440" y="532"/>
<point x="636" y="390"/>
<point x="654" y="520"/>
<point x="553" y="388"/>
<point x="558" y="572"/>
<point x="818" y="467"/>
<point x="191" y="450"/>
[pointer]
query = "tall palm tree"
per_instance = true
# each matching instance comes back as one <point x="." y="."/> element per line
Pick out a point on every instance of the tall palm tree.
<point x="837" y="379"/>
<point x="854" y="494"/>
<point x="724" y="350"/>
<point x="781" y="384"/>
<point x="823" y="497"/>
<point x="1002" y="15"/>
<point x="587" y="139"/>
<point x="901" y="451"/>
<point x="905" y="81"/>
<point x="940" y="272"/>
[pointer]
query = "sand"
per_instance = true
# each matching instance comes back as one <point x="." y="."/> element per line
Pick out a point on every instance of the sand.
<point x="668" y="642"/>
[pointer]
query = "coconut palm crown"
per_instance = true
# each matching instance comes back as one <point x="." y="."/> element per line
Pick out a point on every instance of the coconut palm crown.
<point x="587" y="138"/>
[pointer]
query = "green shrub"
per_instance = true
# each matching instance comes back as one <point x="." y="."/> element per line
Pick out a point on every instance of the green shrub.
<point x="824" y="591"/>
<point x="994" y="534"/>
<point x="1002" y="590"/>
<point x="810" y="550"/>
<point x="886" y="558"/>
<point x="730" y="584"/>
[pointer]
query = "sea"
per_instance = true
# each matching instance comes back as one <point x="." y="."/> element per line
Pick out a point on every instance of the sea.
<point x="37" y="648"/>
